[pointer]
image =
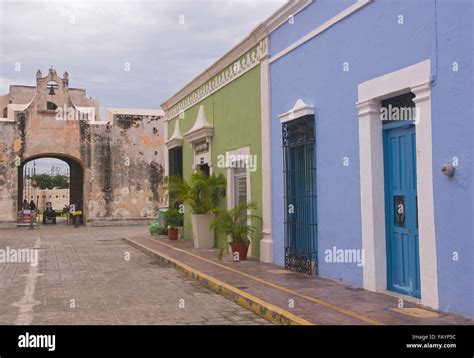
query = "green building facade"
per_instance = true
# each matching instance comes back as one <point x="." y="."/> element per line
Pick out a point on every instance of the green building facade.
<point x="214" y="124"/>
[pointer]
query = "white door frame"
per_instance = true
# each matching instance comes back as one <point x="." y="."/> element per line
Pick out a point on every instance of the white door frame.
<point x="417" y="79"/>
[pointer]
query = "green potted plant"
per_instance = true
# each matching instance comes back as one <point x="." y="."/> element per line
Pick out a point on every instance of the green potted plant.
<point x="173" y="219"/>
<point x="201" y="193"/>
<point x="154" y="228"/>
<point x="236" y="225"/>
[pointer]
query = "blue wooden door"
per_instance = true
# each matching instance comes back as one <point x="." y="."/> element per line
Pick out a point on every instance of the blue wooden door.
<point x="401" y="212"/>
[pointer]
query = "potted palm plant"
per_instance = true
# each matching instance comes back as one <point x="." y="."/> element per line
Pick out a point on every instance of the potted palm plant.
<point x="236" y="225"/>
<point x="173" y="219"/>
<point x="201" y="193"/>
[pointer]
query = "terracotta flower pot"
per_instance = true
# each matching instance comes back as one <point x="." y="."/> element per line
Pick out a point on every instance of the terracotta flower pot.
<point x="173" y="234"/>
<point x="239" y="251"/>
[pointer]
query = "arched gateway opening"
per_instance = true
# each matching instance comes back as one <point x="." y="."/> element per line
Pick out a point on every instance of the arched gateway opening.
<point x="54" y="178"/>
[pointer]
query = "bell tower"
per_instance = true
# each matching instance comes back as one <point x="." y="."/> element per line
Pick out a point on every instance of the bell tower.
<point x="52" y="91"/>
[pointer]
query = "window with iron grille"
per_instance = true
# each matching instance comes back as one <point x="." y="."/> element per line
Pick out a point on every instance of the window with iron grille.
<point x="299" y="155"/>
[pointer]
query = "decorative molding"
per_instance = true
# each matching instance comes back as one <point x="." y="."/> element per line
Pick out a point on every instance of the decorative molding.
<point x="176" y="139"/>
<point x="422" y="92"/>
<point x="367" y="108"/>
<point x="299" y="110"/>
<point x="201" y="129"/>
<point x="331" y="22"/>
<point x="395" y="83"/>
<point x="236" y="69"/>
<point x="258" y="38"/>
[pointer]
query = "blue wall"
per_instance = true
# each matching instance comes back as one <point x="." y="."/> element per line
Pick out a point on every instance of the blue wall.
<point x="373" y="43"/>
<point x="453" y="135"/>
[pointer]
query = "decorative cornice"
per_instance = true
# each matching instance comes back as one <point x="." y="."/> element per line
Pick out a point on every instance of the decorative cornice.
<point x="422" y="92"/>
<point x="396" y="82"/>
<point x="300" y="109"/>
<point x="368" y="107"/>
<point x="201" y="129"/>
<point x="258" y="37"/>
<point x="245" y="63"/>
<point x="176" y="139"/>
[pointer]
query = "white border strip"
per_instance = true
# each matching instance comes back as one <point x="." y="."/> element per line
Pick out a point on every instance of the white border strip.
<point x="341" y="16"/>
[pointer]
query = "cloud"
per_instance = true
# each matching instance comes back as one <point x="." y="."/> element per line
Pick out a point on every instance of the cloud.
<point x="94" y="41"/>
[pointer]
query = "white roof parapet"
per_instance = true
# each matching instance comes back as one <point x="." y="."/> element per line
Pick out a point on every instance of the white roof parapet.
<point x="299" y="110"/>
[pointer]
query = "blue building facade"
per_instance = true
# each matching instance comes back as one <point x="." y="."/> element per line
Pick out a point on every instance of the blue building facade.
<point x="360" y="194"/>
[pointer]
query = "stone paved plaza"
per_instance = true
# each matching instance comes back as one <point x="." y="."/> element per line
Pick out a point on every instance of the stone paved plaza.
<point x="90" y="276"/>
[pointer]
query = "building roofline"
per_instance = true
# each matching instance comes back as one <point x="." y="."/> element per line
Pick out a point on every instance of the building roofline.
<point x="33" y="87"/>
<point x="136" y="111"/>
<point x="258" y="33"/>
<point x="279" y="17"/>
<point x="29" y="86"/>
<point x="243" y="46"/>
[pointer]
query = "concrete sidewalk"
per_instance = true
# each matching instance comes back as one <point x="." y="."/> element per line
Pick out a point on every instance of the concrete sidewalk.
<point x="285" y="297"/>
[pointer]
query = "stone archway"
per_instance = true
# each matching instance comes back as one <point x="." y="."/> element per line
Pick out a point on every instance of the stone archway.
<point x="76" y="177"/>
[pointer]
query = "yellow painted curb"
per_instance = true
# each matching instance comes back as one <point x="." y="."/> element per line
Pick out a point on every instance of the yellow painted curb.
<point x="260" y="307"/>
<point x="281" y="288"/>
<point x="416" y="312"/>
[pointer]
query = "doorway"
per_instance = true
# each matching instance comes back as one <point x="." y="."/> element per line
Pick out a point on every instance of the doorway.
<point x="204" y="168"/>
<point x="401" y="209"/>
<point x="54" y="179"/>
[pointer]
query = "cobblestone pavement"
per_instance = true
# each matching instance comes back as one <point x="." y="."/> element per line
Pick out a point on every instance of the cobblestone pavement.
<point x="90" y="276"/>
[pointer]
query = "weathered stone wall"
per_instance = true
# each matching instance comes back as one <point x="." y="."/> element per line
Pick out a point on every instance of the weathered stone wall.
<point x="121" y="162"/>
<point x="127" y="164"/>
<point x="8" y="169"/>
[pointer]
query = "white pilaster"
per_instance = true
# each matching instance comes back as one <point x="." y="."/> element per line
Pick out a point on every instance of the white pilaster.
<point x="372" y="195"/>
<point x="266" y="244"/>
<point x="426" y="220"/>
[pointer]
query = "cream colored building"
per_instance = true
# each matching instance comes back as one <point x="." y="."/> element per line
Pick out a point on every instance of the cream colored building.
<point x="57" y="197"/>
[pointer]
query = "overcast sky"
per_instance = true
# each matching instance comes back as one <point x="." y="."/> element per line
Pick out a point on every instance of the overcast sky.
<point x="94" y="41"/>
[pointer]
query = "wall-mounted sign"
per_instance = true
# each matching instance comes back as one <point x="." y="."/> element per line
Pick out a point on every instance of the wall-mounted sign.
<point x="202" y="153"/>
<point x="201" y="147"/>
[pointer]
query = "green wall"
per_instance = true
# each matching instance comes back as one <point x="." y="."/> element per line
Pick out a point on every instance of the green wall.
<point x="235" y="112"/>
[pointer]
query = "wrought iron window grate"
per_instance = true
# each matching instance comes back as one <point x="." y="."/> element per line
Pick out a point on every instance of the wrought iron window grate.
<point x="300" y="195"/>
